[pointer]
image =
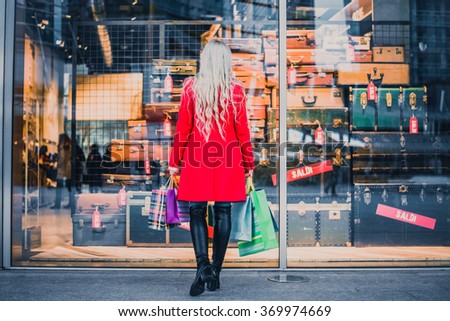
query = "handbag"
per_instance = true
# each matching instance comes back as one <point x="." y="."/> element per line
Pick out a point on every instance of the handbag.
<point x="263" y="231"/>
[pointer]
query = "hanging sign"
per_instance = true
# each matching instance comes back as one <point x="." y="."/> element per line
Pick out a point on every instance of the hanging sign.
<point x="405" y="216"/>
<point x="306" y="171"/>
<point x="167" y="128"/>
<point x="292" y="75"/>
<point x="96" y="219"/>
<point x="122" y="199"/>
<point x="319" y="136"/>
<point x="413" y="125"/>
<point x="372" y="92"/>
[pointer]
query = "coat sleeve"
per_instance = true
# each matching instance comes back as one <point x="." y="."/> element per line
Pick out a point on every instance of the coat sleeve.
<point x="242" y="129"/>
<point x="184" y="126"/>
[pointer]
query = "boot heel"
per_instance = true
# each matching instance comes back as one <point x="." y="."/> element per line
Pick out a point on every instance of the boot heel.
<point x="204" y="274"/>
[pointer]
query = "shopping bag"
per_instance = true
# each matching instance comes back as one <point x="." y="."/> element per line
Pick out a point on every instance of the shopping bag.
<point x="183" y="211"/>
<point x="172" y="216"/>
<point x="263" y="232"/>
<point x="241" y="221"/>
<point x="157" y="211"/>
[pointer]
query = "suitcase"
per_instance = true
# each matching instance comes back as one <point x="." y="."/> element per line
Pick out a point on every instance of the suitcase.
<point x="402" y="215"/>
<point x="137" y="129"/>
<point x="113" y="183"/>
<point x="360" y="43"/>
<point x="157" y="81"/>
<point x="141" y="129"/>
<point x="107" y="203"/>
<point x="315" y="75"/>
<point x="256" y="112"/>
<point x="381" y="73"/>
<point x="415" y="103"/>
<point x="244" y="45"/>
<point x="130" y="150"/>
<point x="247" y="64"/>
<point x="362" y="111"/>
<point x="334" y="220"/>
<point x="157" y="112"/>
<point x="137" y="231"/>
<point x="251" y="79"/>
<point x="261" y="99"/>
<point x="389" y="54"/>
<point x="112" y="232"/>
<point x="306" y="56"/>
<point x="314" y="97"/>
<point x="158" y="95"/>
<point x="296" y="39"/>
<point x="362" y="56"/>
<point x="389" y="109"/>
<point x="175" y="67"/>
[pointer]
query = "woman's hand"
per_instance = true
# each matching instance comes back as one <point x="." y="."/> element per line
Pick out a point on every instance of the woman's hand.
<point x="249" y="173"/>
<point x="174" y="170"/>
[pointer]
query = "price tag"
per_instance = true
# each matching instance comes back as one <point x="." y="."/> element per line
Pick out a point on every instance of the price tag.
<point x="413" y="125"/>
<point x="167" y="128"/>
<point x="292" y="76"/>
<point x="319" y="136"/>
<point x="372" y="92"/>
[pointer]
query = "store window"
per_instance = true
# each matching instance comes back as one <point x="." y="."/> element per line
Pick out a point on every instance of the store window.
<point x="97" y="89"/>
<point x="97" y="104"/>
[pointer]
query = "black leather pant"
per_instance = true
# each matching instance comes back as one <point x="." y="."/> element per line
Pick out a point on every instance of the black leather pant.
<point x="199" y="232"/>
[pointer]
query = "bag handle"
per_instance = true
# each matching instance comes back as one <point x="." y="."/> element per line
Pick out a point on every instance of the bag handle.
<point x="249" y="187"/>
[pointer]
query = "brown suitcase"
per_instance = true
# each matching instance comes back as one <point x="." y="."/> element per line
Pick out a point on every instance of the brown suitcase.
<point x="137" y="129"/>
<point x="295" y="39"/>
<point x="178" y="67"/>
<point x="158" y="95"/>
<point x="263" y="99"/>
<point x="363" y="56"/>
<point x="270" y="39"/>
<point x="388" y="54"/>
<point x="257" y="123"/>
<point x="245" y="45"/>
<point x="130" y="150"/>
<point x="86" y="203"/>
<point x="256" y="133"/>
<point x="315" y="97"/>
<point x="381" y="73"/>
<point x="252" y="80"/>
<point x="157" y="112"/>
<point x="256" y="112"/>
<point x="248" y="61"/>
<point x="315" y="75"/>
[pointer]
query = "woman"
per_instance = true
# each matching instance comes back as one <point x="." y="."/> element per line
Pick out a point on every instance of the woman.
<point x="94" y="170"/>
<point x="212" y="147"/>
<point x="64" y="169"/>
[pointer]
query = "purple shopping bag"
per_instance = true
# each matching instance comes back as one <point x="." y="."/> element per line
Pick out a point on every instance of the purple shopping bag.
<point x="172" y="207"/>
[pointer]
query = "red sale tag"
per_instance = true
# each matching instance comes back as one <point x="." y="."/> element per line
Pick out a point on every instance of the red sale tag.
<point x="292" y="76"/>
<point x="371" y="92"/>
<point x="167" y="128"/>
<point x="306" y="171"/>
<point x="405" y="216"/>
<point x="319" y="136"/>
<point x="413" y="125"/>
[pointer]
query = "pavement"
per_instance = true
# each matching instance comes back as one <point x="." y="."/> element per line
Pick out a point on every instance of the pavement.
<point x="421" y="284"/>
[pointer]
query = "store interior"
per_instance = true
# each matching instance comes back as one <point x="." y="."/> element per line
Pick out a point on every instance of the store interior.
<point x="97" y="90"/>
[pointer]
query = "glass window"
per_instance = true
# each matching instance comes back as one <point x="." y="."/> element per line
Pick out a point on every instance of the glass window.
<point x="97" y="104"/>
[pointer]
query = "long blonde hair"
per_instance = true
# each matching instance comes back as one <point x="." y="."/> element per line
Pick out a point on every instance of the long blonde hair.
<point x="213" y="87"/>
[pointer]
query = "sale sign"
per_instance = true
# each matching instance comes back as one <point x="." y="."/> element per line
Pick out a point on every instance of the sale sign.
<point x="405" y="216"/>
<point x="306" y="171"/>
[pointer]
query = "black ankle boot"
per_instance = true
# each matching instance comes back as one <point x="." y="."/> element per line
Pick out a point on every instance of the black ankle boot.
<point x="204" y="274"/>
<point x="214" y="284"/>
<point x="222" y="229"/>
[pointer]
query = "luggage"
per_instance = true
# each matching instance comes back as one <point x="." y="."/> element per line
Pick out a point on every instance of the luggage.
<point x="130" y="150"/>
<point x="396" y="214"/>
<point x="389" y="109"/>
<point x="112" y="183"/>
<point x="389" y="54"/>
<point x="415" y="104"/>
<point x="362" y="111"/>
<point x="315" y="75"/>
<point x="360" y="43"/>
<point x="244" y="45"/>
<point x="242" y="62"/>
<point x="315" y="97"/>
<point x="175" y="67"/>
<point x="137" y="129"/>
<point x="318" y="221"/>
<point x="256" y="112"/>
<point x="113" y="221"/>
<point x="296" y="39"/>
<point x="107" y="203"/>
<point x="141" y="129"/>
<point x="251" y="79"/>
<point x="157" y="112"/>
<point x="137" y="232"/>
<point x="381" y="73"/>
<point x="158" y="95"/>
<point x="362" y="56"/>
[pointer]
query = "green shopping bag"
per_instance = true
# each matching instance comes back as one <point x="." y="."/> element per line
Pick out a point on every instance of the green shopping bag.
<point x="263" y="232"/>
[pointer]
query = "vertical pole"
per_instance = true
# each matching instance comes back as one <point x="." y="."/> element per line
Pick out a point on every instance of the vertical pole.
<point x="7" y="36"/>
<point x="73" y="173"/>
<point x="283" y="134"/>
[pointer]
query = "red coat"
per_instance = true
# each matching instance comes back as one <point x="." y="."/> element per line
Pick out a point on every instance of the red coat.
<point x="213" y="170"/>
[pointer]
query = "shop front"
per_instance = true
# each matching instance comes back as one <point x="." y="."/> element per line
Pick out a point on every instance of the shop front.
<point x="346" y="102"/>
